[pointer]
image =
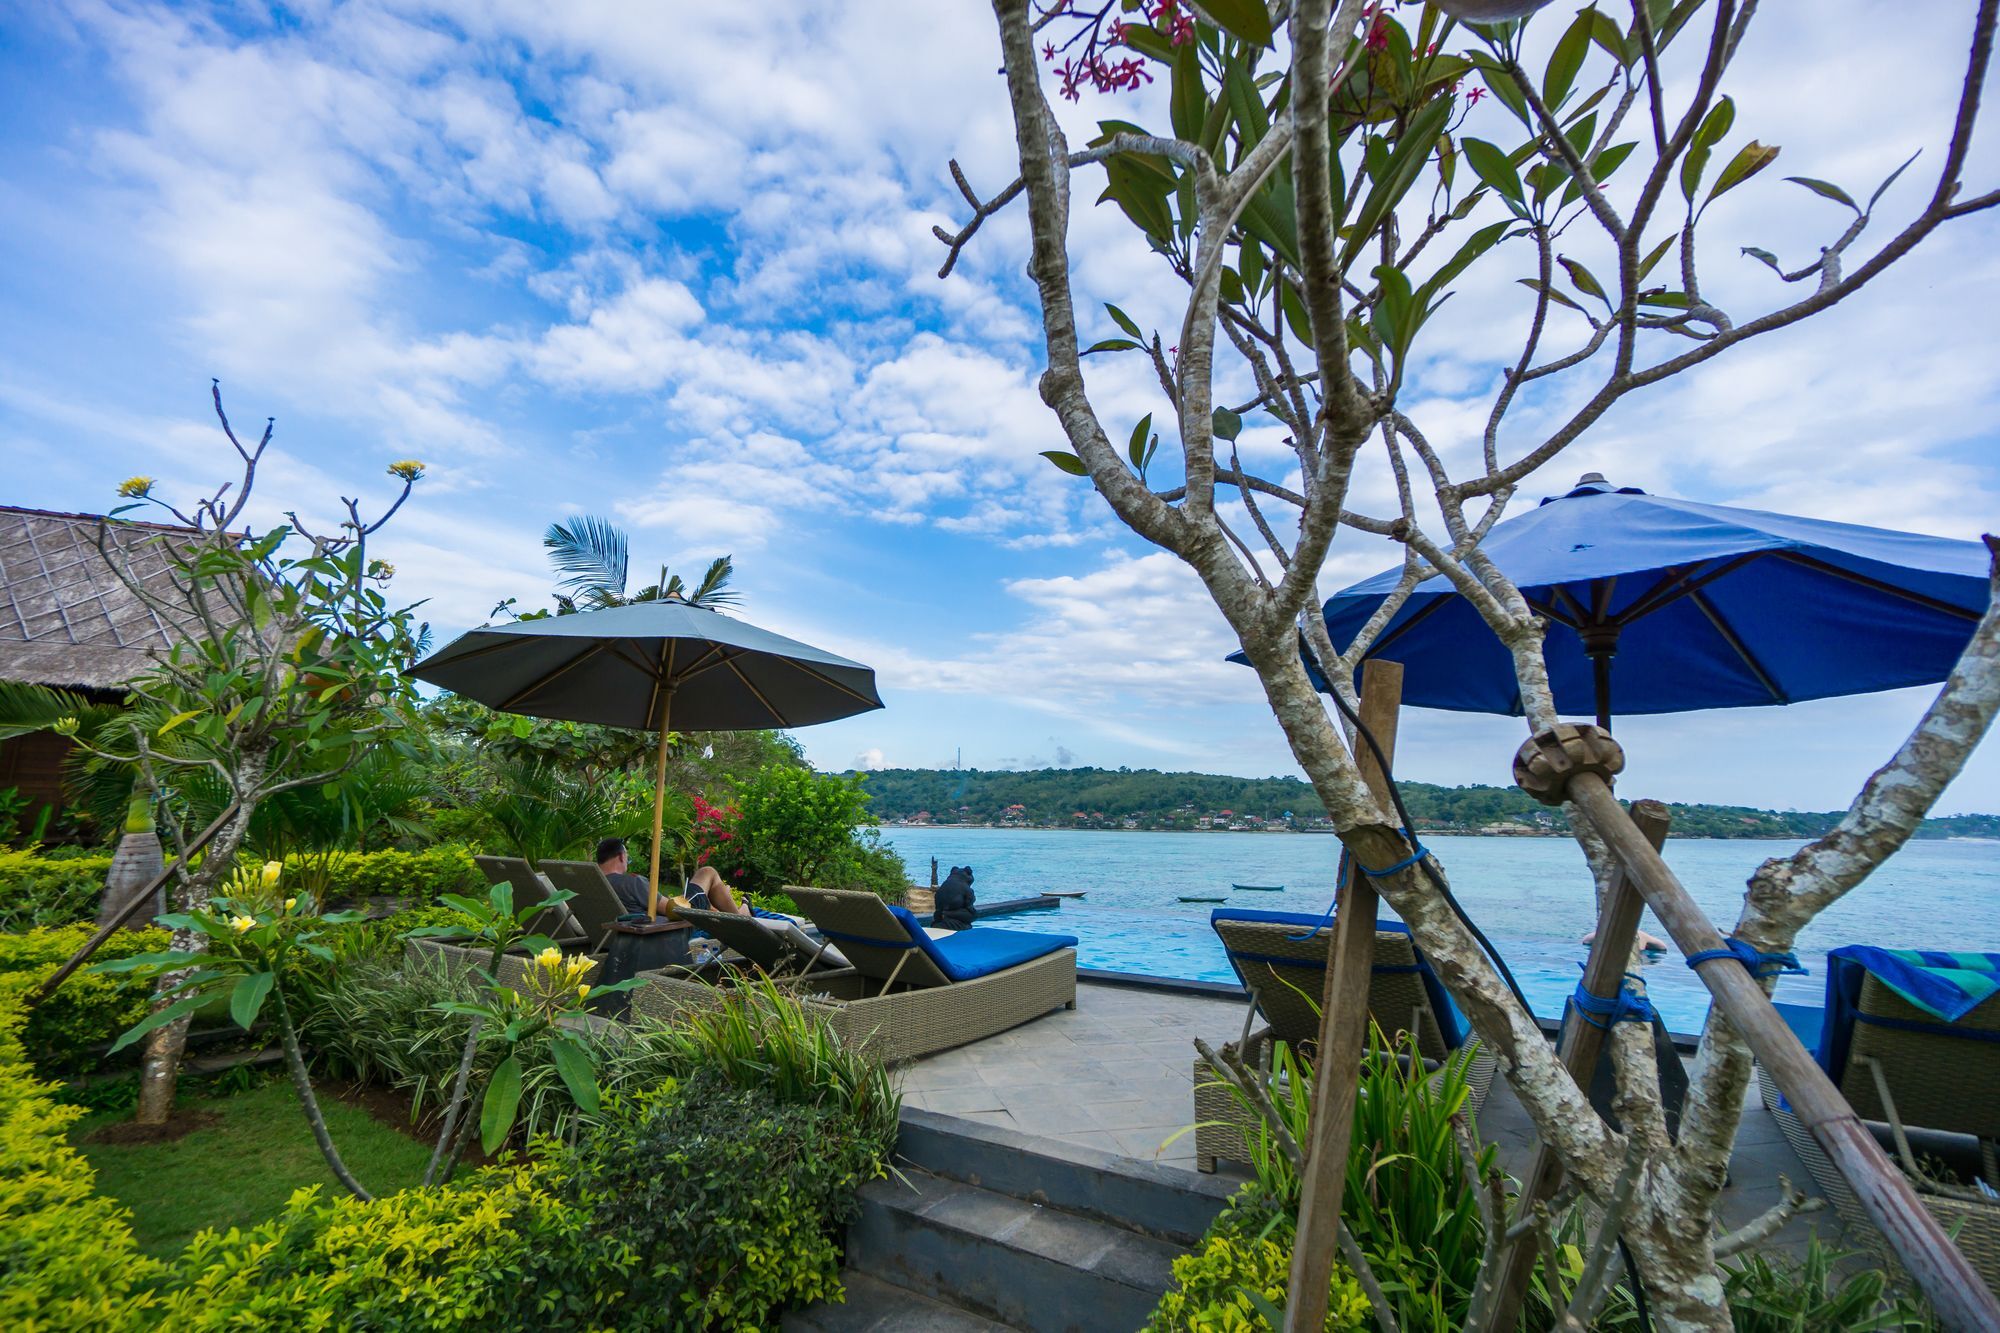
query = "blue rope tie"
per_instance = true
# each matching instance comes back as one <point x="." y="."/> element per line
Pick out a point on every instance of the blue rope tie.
<point x="1761" y="965"/>
<point x="1419" y="854"/>
<point x="1627" y="1006"/>
<point x="1340" y="877"/>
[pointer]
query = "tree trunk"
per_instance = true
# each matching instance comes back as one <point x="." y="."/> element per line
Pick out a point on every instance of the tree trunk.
<point x="295" y="1063"/>
<point x="137" y="863"/>
<point x="159" y="1074"/>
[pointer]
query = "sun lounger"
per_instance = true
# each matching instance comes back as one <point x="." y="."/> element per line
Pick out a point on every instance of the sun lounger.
<point x="1912" y="1040"/>
<point x="557" y="922"/>
<point x="595" y="904"/>
<point x="774" y="943"/>
<point x="909" y="993"/>
<point x="1281" y="958"/>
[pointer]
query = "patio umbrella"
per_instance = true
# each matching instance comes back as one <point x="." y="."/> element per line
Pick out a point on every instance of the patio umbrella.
<point x="1703" y="606"/>
<point x="651" y="666"/>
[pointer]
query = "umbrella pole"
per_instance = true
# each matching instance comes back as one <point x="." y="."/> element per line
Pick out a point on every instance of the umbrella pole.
<point x="659" y="805"/>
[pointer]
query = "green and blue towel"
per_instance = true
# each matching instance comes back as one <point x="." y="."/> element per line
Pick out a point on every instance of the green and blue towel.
<point x="1946" y="984"/>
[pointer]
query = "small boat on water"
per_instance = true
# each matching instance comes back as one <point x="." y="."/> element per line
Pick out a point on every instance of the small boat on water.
<point x="1258" y="888"/>
<point x="1204" y="898"/>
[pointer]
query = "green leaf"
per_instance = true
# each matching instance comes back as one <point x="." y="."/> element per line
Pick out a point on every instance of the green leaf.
<point x="1245" y="20"/>
<point x="1567" y="59"/>
<point x="177" y="1010"/>
<point x="1889" y="180"/>
<point x="248" y="998"/>
<point x="1713" y="126"/>
<point x="177" y="719"/>
<point x="1493" y="167"/>
<point x="1655" y="255"/>
<point x="577" y="1073"/>
<point x="1124" y="321"/>
<point x="1135" y="448"/>
<point x="1826" y="190"/>
<point x="1581" y="276"/>
<point x="1608" y="35"/>
<point x="1226" y="424"/>
<point x="1751" y="159"/>
<point x="1068" y="462"/>
<point x="1765" y="257"/>
<point x="1536" y="285"/>
<point x="1405" y="162"/>
<point x="1188" y="99"/>
<point x="1111" y="345"/>
<point x="146" y="961"/>
<point x="503" y="1099"/>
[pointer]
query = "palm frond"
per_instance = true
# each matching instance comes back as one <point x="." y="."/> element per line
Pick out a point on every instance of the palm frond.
<point x="25" y="708"/>
<point x="592" y="553"/>
<point x="713" y="590"/>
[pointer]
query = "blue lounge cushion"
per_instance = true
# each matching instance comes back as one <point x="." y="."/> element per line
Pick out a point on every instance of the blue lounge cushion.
<point x="969" y="954"/>
<point x="1451" y="1021"/>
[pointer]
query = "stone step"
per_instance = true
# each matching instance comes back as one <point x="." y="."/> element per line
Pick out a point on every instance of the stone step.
<point x="1157" y="1200"/>
<point x="874" y="1306"/>
<point x="1022" y="1263"/>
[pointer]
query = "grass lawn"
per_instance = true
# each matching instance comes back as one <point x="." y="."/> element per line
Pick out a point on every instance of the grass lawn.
<point x="240" y="1170"/>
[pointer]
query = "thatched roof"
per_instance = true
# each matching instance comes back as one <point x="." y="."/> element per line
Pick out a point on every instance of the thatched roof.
<point x="65" y="618"/>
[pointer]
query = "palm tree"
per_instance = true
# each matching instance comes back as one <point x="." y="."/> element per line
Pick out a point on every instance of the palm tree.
<point x="593" y="554"/>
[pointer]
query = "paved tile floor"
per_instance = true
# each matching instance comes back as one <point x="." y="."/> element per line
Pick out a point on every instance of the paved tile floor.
<point x="1117" y="1074"/>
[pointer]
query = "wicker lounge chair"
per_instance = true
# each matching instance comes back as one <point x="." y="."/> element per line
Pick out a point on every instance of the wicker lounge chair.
<point x="594" y="904"/>
<point x="909" y="994"/>
<point x="1281" y="959"/>
<point x="1900" y="1065"/>
<point x="557" y="922"/>
<point x="757" y="952"/>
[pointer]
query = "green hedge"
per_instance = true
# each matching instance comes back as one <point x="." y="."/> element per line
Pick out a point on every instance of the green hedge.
<point x="86" y="1010"/>
<point x="38" y="890"/>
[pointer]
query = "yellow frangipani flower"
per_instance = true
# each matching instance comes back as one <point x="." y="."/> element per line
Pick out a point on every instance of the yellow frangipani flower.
<point x="583" y="992"/>
<point x="241" y="924"/>
<point x="135" y="488"/>
<point x="273" y="870"/>
<point x="550" y="958"/>
<point x="409" y="469"/>
<point x="290" y="903"/>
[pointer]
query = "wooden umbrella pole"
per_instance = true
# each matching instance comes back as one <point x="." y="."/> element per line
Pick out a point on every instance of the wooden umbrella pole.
<point x="1343" y="1030"/>
<point x="659" y="804"/>
<point x="1579" y="1047"/>
<point x="1578" y="763"/>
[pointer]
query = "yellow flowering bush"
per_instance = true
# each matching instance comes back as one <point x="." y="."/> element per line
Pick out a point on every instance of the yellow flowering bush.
<point x="1248" y="1249"/>
<point x="63" y="1031"/>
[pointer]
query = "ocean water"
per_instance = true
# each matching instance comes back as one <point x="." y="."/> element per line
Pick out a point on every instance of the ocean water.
<point x="1532" y="897"/>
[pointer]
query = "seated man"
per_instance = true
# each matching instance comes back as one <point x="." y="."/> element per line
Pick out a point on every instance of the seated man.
<point x="705" y="888"/>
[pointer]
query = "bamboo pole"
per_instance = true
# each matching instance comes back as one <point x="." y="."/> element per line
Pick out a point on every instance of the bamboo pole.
<point x="659" y="803"/>
<point x="131" y="908"/>
<point x="1580" y="1046"/>
<point x="1343" y="1030"/>
<point x="1579" y="762"/>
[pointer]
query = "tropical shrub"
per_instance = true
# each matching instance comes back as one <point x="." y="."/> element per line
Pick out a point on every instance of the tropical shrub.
<point x="507" y="1248"/>
<point x="67" y="1257"/>
<point x="86" y="1011"/>
<point x="795" y="824"/>
<point x="1777" y="1296"/>
<point x="870" y="864"/>
<point x="1237" y="1279"/>
<point x="41" y="890"/>
<point x="38" y="889"/>
<point x="729" y="1199"/>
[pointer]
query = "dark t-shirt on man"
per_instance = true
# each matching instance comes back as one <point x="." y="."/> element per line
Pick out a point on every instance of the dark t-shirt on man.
<point x="632" y="890"/>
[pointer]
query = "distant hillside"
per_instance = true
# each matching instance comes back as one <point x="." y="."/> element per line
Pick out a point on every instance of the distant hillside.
<point x="1147" y="798"/>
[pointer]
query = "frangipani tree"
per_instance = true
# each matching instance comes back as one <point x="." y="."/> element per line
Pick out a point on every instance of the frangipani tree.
<point x="1317" y="237"/>
<point x="284" y="673"/>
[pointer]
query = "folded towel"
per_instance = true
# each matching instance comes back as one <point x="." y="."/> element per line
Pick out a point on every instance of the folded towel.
<point x="1949" y="985"/>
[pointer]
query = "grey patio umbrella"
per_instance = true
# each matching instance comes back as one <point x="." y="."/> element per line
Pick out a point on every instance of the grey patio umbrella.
<point x="649" y="666"/>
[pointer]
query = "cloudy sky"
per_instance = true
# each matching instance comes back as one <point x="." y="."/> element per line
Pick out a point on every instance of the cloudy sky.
<point x="673" y="265"/>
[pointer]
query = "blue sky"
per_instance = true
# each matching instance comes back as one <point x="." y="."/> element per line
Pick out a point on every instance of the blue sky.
<point x="676" y="269"/>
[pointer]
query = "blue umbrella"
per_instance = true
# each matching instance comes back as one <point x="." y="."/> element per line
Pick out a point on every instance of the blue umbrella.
<point x="1703" y="606"/>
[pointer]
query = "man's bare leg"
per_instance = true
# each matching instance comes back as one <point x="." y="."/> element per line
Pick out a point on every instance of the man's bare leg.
<point x="721" y="898"/>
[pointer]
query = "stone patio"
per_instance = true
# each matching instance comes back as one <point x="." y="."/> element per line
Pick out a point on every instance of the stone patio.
<point x="1116" y="1074"/>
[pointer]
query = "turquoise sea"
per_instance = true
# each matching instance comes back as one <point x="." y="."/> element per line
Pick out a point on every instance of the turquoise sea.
<point x="1532" y="896"/>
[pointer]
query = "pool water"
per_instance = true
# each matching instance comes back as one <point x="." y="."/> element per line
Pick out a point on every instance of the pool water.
<point x="1532" y="896"/>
